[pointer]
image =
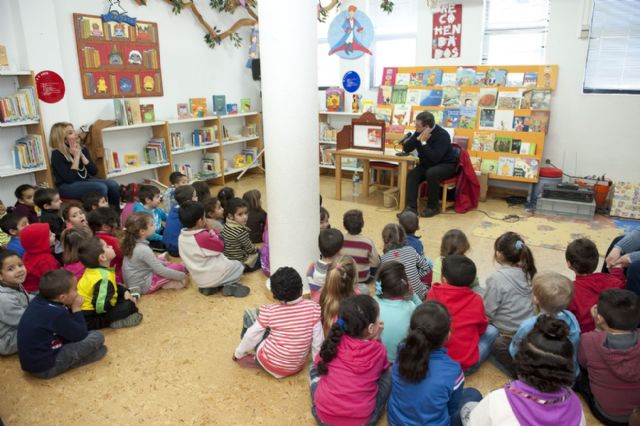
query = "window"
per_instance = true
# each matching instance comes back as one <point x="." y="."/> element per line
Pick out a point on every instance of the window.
<point x="515" y="31"/>
<point x="613" y="58"/>
<point x="328" y="66"/>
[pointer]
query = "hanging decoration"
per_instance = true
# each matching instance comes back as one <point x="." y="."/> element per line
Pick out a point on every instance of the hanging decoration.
<point x="447" y="31"/>
<point x="350" y="34"/>
<point x="253" y="49"/>
<point x="351" y="81"/>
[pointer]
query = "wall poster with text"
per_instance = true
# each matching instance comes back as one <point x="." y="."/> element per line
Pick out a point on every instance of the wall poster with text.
<point x="447" y="31"/>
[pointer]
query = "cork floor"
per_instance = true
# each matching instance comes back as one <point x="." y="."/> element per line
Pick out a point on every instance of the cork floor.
<point x="176" y="367"/>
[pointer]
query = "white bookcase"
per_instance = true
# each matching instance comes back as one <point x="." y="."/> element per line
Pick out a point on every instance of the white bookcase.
<point x="336" y="120"/>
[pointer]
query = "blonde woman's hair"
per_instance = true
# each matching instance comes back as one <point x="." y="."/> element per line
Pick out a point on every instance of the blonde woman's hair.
<point x="342" y="277"/>
<point x="58" y="135"/>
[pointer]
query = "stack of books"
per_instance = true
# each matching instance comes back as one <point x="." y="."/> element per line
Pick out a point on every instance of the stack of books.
<point x="156" y="151"/>
<point x="28" y="152"/>
<point x="21" y="106"/>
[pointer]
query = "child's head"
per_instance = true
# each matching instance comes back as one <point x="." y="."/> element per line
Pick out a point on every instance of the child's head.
<point x="286" y="284"/>
<point x="95" y="253"/>
<point x="12" y="270"/>
<point x="93" y="200"/>
<point x="213" y="209"/>
<point x="330" y="242"/>
<point x="342" y="277"/>
<point x="545" y="356"/>
<point x="253" y="198"/>
<point x="393" y="236"/>
<point x="409" y="221"/>
<point x="237" y="211"/>
<point x="47" y="199"/>
<point x="458" y="270"/>
<point x="617" y="309"/>
<point x="357" y="317"/>
<point x="103" y="219"/>
<point x="428" y="330"/>
<point x="454" y="241"/>
<point x="202" y="190"/>
<point x="24" y="194"/>
<point x="185" y="193"/>
<point x="191" y="215"/>
<point x="392" y="281"/>
<point x="59" y="285"/>
<point x="324" y="219"/>
<point x="129" y="192"/>
<point x="13" y="223"/>
<point x="149" y="196"/>
<point x="73" y="214"/>
<point x="139" y="226"/>
<point x="511" y="250"/>
<point x="178" y="179"/>
<point x="224" y="195"/>
<point x="582" y="256"/>
<point x="353" y="221"/>
<point x="71" y="239"/>
<point x="37" y="238"/>
<point x="552" y="292"/>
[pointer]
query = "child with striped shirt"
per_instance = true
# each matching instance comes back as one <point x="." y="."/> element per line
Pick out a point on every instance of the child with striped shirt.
<point x="330" y="243"/>
<point x="361" y="248"/>
<point x="237" y="243"/>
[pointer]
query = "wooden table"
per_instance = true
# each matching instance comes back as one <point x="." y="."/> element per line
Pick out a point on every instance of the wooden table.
<point x="366" y="156"/>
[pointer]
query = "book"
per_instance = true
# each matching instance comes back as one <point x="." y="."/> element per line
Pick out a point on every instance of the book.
<point x="368" y="106"/>
<point x="475" y="163"/>
<point x="451" y="118"/>
<point x="334" y="98"/>
<point x="415" y="79"/>
<point x="527" y="148"/>
<point x="183" y="110"/>
<point x="547" y="76"/>
<point x="515" y="79"/>
<point x="487" y="98"/>
<point x="402" y="79"/>
<point x="120" y="112"/>
<point x="468" y="118"/>
<point x="480" y="78"/>
<point x="469" y="98"/>
<point x="539" y="121"/>
<point x="414" y="96"/>
<point x="432" y="98"/>
<point x="509" y="99"/>
<point x="502" y="144"/>
<point x="525" y="102"/>
<point x="385" y="112"/>
<point x="198" y="107"/>
<point x="483" y="142"/>
<point x="503" y="119"/>
<point x="219" y="103"/>
<point x="4" y="61"/>
<point x="521" y="123"/>
<point x="232" y="109"/>
<point x="515" y="146"/>
<point x="465" y="76"/>
<point x="432" y="77"/>
<point x="461" y="141"/>
<point x="399" y="94"/>
<point x="526" y="168"/>
<point x="156" y="151"/>
<point x="148" y="113"/>
<point x="451" y="97"/>
<point x="384" y="95"/>
<point x="131" y="160"/>
<point x="496" y="77"/>
<point x="437" y="115"/>
<point x="487" y="115"/>
<point x="389" y="76"/>
<point x="541" y="99"/>
<point x="245" y="105"/>
<point x="401" y="115"/>
<point x="506" y="166"/>
<point x="448" y="79"/>
<point x="133" y="111"/>
<point x="489" y="166"/>
<point x="530" y="79"/>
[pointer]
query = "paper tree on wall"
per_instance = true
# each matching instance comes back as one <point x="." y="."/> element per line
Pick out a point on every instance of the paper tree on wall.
<point x="323" y="11"/>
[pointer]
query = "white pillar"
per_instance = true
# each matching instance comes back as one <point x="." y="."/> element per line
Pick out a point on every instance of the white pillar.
<point x="288" y="46"/>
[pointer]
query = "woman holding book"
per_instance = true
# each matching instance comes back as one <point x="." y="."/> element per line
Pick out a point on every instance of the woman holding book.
<point x="73" y="168"/>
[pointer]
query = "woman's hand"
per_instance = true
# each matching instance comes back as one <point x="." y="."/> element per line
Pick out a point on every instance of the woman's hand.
<point x="622" y="262"/>
<point x="613" y="257"/>
<point x="74" y="150"/>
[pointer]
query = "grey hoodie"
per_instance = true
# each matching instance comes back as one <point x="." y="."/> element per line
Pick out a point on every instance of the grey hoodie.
<point x="13" y="303"/>
<point x="507" y="300"/>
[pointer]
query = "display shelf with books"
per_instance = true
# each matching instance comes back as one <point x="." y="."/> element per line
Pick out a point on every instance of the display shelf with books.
<point x="138" y="169"/>
<point x="240" y="143"/>
<point x="330" y="123"/>
<point x="198" y="159"/>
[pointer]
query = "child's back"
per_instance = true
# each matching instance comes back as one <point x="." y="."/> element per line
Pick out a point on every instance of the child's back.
<point x="416" y="267"/>
<point x="507" y="300"/>
<point x="361" y="248"/>
<point x="202" y="253"/>
<point x="330" y="243"/>
<point x="38" y="258"/>
<point x="585" y="294"/>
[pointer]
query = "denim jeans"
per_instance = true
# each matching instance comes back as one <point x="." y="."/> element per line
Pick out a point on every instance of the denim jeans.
<point x="77" y="354"/>
<point x="632" y="272"/>
<point x="468" y="395"/>
<point x="107" y="187"/>
<point x="484" y="348"/>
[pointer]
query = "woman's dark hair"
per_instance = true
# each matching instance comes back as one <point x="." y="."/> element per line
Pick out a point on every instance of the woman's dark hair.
<point x="428" y="330"/>
<point x="253" y="198"/>
<point x="233" y="205"/>
<point x="202" y="190"/>
<point x="545" y="356"/>
<point x="393" y="280"/>
<point x="147" y="192"/>
<point x="136" y="223"/>
<point x="129" y="192"/>
<point x="454" y="241"/>
<point x="286" y="284"/>
<point x="103" y="216"/>
<point x="224" y="195"/>
<point x="515" y="252"/>
<point x="357" y="312"/>
<point x="393" y="236"/>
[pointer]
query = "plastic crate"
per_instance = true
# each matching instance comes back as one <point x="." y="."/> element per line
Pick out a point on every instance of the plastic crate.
<point x="567" y="208"/>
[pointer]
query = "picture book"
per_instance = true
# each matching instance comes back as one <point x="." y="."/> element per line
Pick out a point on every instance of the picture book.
<point x="183" y="110"/>
<point x="541" y="99"/>
<point x="527" y="148"/>
<point x="219" y="104"/>
<point x="414" y="96"/>
<point x="399" y="94"/>
<point x="368" y="106"/>
<point x="384" y="112"/>
<point x="465" y="76"/>
<point x="515" y="146"/>
<point x="449" y="79"/>
<point x="131" y="160"/>
<point x="480" y="78"/>
<point x="515" y="79"/>
<point x="521" y="123"/>
<point x="451" y="97"/>
<point x="487" y="115"/>
<point x="232" y="109"/>
<point x="496" y="77"/>
<point x="402" y="79"/>
<point x="503" y="119"/>
<point x="509" y="99"/>
<point x="483" y="142"/>
<point x="470" y="98"/>
<point x="389" y="76"/>
<point x="539" y="121"/>
<point x="356" y="103"/>
<point x="415" y="79"/>
<point x="468" y="117"/>
<point x="530" y="79"/>
<point x="489" y="166"/>
<point x="401" y="115"/>
<point x="148" y="113"/>
<point x="120" y="112"/>
<point x="506" y="166"/>
<point x="502" y="144"/>
<point x="451" y="118"/>
<point x="334" y="99"/>
<point x="432" y="77"/>
<point x="525" y="102"/>
<point x="384" y="95"/>
<point x="475" y="163"/>
<point x="198" y="107"/>
<point x="547" y="75"/>
<point x="437" y="115"/>
<point x="461" y="141"/>
<point x="526" y="168"/>
<point x="432" y="98"/>
<point x="487" y="98"/>
<point x="245" y="105"/>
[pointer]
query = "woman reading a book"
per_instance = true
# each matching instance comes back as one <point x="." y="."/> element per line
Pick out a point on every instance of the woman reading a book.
<point x="437" y="162"/>
<point x="73" y="169"/>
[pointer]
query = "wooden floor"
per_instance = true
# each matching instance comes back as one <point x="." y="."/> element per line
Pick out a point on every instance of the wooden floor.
<point x="176" y="367"/>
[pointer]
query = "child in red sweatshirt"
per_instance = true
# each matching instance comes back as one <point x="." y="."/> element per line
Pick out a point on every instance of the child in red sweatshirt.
<point x="582" y="258"/>
<point x="37" y="240"/>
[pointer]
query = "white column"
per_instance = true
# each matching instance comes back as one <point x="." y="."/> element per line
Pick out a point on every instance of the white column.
<point x="288" y="45"/>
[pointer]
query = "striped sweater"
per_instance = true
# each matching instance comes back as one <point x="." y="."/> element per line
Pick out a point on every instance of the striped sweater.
<point x="363" y="251"/>
<point x="415" y="265"/>
<point x="237" y="244"/>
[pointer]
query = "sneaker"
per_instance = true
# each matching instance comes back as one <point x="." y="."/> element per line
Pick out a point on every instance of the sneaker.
<point x="209" y="290"/>
<point x="130" y="321"/>
<point x="236" y="290"/>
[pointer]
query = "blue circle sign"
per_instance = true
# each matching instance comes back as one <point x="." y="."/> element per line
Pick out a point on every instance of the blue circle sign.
<point x="351" y="81"/>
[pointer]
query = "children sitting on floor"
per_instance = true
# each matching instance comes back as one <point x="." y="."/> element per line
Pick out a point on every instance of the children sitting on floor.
<point x="324" y="218"/>
<point x="410" y="223"/>
<point x="330" y="244"/>
<point x="52" y="334"/>
<point x="73" y="215"/>
<point x="202" y="190"/>
<point x="24" y="202"/>
<point x="71" y="240"/>
<point x="237" y="244"/>
<point x="13" y="299"/>
<point x="149" y="202"/>
<point x="128" y="196"/>
<point x="104" y="223"/>
<point x="177" y="179"/>
<point x="12" y="224"/>
<point x="257" y="215"/>
<point x="454" y="241"/>
<point x="225" y="195"/>
<point x="360" y="247"/>
<point x="38" y="242"/>
<point x="214" y="213"/>
<point x="4" y="237"/>
<point x="173" y="226"/>
<point x="92" y="200"/>
<point x="282" y="333"/>
<point x="340" y="283"/>
<point x="201" y="251"/>
<point x="49" y="202"/>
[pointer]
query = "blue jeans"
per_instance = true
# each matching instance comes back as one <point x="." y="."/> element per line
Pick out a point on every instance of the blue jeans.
<point x="632" y="272"/>
<point x="468" y="395"/>
<point x="107" y="187"/>
<point x="484" y="347"/>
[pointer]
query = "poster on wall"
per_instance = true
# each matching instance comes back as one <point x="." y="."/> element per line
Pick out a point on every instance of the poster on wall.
<point x="50" y="86"/>
<point x="350" y="34"/>
<point x="447" y="32"/>
<point x="117" y="59"/>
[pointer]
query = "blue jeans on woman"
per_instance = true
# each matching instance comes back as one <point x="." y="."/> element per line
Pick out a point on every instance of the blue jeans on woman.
<point x="108" y="188"/>
<point x="632" y="272"/>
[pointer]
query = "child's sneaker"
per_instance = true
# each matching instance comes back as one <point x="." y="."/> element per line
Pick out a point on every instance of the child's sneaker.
<point x="208" y="291"/>
<point x="236" y="290"/>
<point x="130" y="321"/>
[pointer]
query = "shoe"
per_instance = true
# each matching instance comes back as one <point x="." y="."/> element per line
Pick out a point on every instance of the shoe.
<point x="236" y="290"/>
<point x="429" y="212"/>
<point x="408" y="209"/>
<point x="130" y="321"/>
<point x="209" y="290"/>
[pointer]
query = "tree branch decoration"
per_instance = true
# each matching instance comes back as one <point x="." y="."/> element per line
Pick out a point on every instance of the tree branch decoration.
<point x="323" y="11"/>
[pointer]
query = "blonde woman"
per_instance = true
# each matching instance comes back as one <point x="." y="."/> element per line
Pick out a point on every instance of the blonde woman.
<point x="73" y="169"/>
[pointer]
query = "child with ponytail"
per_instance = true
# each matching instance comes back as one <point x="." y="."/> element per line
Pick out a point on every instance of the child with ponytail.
<point x="427" y="385"/>
<point x="342" y="276"/>
<point x="350" y="381"/>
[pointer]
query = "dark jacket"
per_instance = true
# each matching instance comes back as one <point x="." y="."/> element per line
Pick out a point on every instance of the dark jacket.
<point x="437" y="150"/>
<point x="172" y="229"/>
<point x="52" y="217"/>
<point x="62" y="172"/>
<point x="256" y="222"/>
<point x="28" y="211"/>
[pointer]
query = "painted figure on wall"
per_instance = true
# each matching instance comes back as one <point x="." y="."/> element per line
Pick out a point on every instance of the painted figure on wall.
<point x="350" y="34"/>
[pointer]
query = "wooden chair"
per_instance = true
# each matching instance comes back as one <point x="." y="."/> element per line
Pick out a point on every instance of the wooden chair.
<point x="445" y="185"/>
<point x="382" y="166"/>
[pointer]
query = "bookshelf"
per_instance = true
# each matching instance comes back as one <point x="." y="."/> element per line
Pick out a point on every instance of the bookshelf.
<point x="327" y="138"/>
<point x="11" y="131"/>
<point x="234" y="141"/>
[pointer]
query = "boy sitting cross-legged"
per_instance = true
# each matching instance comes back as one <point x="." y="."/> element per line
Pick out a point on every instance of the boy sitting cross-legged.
<point x="330" y="243"/>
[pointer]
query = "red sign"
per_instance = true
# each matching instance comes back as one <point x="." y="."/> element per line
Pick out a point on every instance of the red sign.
<point x="447" y="32"/>
<point x="50" y="87"/>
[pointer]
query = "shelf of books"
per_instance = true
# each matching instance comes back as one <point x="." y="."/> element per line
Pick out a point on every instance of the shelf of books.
<point x="330" y="123"/>
<point x="21" y="133"/>
<point x="241" y="143"/>
<point x="499" y="113"/>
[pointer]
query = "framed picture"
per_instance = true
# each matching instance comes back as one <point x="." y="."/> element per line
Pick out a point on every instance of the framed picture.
<point x="368" y="132"/>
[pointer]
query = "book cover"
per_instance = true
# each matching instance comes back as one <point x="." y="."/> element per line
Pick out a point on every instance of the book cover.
<point x="415" y="96"/>
<point x="467" y="118"/>
<point x="415" y="79"/>
<point x="384" y="95"/>
<point x="526" y="168"/>
<point x="503" y="119"/>
<point x="401" y="115"/>
<point x="334" y="97"/>
<point x="183" y="110"/>
<point x="502" y="144"/>
<point x="515" y="79"/>
<point x="465" y="76"/>
<point x="148" y="113"/>
<point x="451" y="97"/>
<point x="133" y="111"/>
<point x="516" y="144"/>
<point x="487" y="115"/>
<point x="432" y="77"/>
<point x="509" y="99"/>
<point x="469" y="98"/>
<point x="475" y="163"/>
<point x="389" y="76"/>
<point x="483" y="142"/>
<point x="525" y="102"/>
<point x="402" y="79"/>
<point x="506" y="166"/>
<point x="451" y="118"/>
<point x="539" y="121"/>
<point x="432" y="98"/>
<point x="527" y="148"/>
<point x="489" y="166"/>
<point x="480" y="78"/>
<point x="541" y="99"/>
<point x="385" y="112"/>
<point x="198" y="107"/>
<point x="368" y="106"/>
<point x="219" y="104"/>
<point x="120" y="112"/>
<point x="399" y="94"/>
<point x="521" y="123"/>
<point x="449" y="79"/>
<point x="245" y="105"/>
<point x="232" y="109"/>
<point x="487" y="98"/>
<point x="131" y="160"/>
<point x="496" y="77"/>
<point x="530" y="79"/>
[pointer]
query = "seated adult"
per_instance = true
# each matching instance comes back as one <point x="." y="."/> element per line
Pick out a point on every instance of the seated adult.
<point x="624" y="252"/>
<point x="73" y="169"/>
<point x="437" y="162"/>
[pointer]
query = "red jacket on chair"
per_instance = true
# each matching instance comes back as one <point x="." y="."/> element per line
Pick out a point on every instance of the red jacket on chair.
<point x="467" y="186"/>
